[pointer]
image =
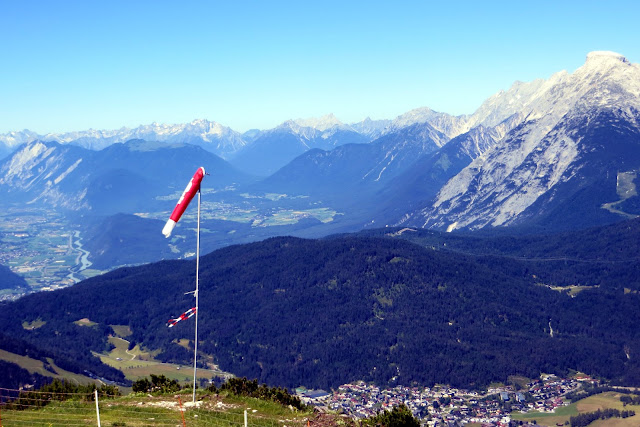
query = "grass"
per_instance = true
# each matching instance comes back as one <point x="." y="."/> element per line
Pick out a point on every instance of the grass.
<point x="85" y="322"/>
<point x="122" y="331"/>
<point x="549" y="418"/>
<point x="90" y="272"/>
<point x="609" y="400"/>
<point x="183" y="342"/>
<point x="38" y="323"/>
<point x="290" y="216"/>
<point x="143" y="410"/>
<point x="572" y="290"/>
<point x="138" y="363"/>
<point x="519" y="380"/>
<point x="37" y="366"/>
<point x="589" y="404"/>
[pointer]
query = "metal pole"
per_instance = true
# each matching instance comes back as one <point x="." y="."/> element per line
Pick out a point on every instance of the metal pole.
<point x="97" y="409"/>
<point x="195" y="345"/>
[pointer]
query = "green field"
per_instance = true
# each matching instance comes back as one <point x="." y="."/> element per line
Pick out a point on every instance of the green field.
<point x="90" y="272"/>
<point x="135" y="363"/>
<point x="548" y="418"/>
<point x="38" y="323"/>
<point x="144" y="410"/>
<point x="138" y="363"/>
<point x="85" y="322"/>
<point x="589" y="404"/>
<point x="290" y="216"/>
<point x="37" y="366"/>
<point x="258" y="210"/>
<point x="121" y="331"/>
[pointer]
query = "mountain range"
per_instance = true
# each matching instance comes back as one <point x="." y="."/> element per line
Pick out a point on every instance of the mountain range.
<point x="280" y="145"/>
<point x="547" y="155"/>
<point x="563" y="162"/>
<point x="210" y="135"/>
<point x="125" y="177"/>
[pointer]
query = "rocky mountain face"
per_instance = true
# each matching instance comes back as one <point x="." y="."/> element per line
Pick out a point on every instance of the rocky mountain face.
<point x="37" y="173"/>
<point x="119" y="178"/>
<point x="411" y="160"/>
<point x="352" y="171"/>
<point x="450" y="126"/>
<point x="422" y="180"/>
<point x="371" y="128"/>
<point x="575" y="150"/>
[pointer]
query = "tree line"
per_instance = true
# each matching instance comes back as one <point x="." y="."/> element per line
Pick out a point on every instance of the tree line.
<point x="60" y="390"/>
<point x="583" y="420"/>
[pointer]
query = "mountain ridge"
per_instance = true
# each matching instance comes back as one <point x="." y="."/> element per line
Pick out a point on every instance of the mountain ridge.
<point x="550" y="148"/>
<point x="121" y="177"/>
<point x="529" y="156"/>
<point x="322" y="312"/>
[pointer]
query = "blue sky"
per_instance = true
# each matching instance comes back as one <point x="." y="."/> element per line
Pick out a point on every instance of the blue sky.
<point x="68" y="66"/>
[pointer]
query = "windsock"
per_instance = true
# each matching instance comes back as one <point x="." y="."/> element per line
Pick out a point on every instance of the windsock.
<point x="192" y="188"/>
<point x="184" y="316"/>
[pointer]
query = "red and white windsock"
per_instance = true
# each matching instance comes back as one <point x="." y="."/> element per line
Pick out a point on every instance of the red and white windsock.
<point x="184" y="316"/>
<point x="192" y="188"/>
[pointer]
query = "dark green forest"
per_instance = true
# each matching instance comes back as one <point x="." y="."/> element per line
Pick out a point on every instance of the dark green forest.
<point x="13" y="376"/>
<point x="321" y="313"/>
<point x="10" y="280"/>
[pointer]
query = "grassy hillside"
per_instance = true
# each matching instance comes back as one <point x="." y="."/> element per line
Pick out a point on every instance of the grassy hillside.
<point x="589" y="404"/>
<point x="136" y="410"/>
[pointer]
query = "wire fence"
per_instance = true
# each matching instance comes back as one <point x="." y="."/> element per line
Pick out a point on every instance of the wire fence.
<point x="46" y="409"/>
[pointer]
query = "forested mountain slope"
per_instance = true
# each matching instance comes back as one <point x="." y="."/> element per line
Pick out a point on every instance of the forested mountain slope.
<point x="323" y="312"/>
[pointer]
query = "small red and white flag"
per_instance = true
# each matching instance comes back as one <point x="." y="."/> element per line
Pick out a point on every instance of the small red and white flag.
<point x="184" y="316"/>
<point x="192" y="188"/>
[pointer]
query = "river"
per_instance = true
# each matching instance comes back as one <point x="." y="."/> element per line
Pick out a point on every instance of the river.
<point x="82" y="260"/>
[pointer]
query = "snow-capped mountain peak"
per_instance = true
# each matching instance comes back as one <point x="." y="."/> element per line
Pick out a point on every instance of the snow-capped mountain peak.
<point x="602" y="72"/>
<point x="417" y="115"/>
<point x="549" y="148"/>
<point x="371" y="128"/>
<point x="213" y="136"/>
<point x="323" y="123"/>
<point x="449" y="125"/>
<point x="605" y="56"/>
<point x="610" y="75"/>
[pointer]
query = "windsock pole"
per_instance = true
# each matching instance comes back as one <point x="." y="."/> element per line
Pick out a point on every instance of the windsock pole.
<point x="195" y="344"/>
<point x="189" y="192"/>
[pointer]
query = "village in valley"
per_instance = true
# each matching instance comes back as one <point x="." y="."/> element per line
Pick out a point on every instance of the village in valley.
<point x="443" y="405"/>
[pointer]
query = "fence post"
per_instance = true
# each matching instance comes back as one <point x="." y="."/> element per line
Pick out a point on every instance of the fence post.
<point x="181" y="412"/>
<point x="97" y="408"/>
<point x="245" y="418"/>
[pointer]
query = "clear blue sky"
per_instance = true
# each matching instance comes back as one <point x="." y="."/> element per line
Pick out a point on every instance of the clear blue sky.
<point x="253" y="64"/>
